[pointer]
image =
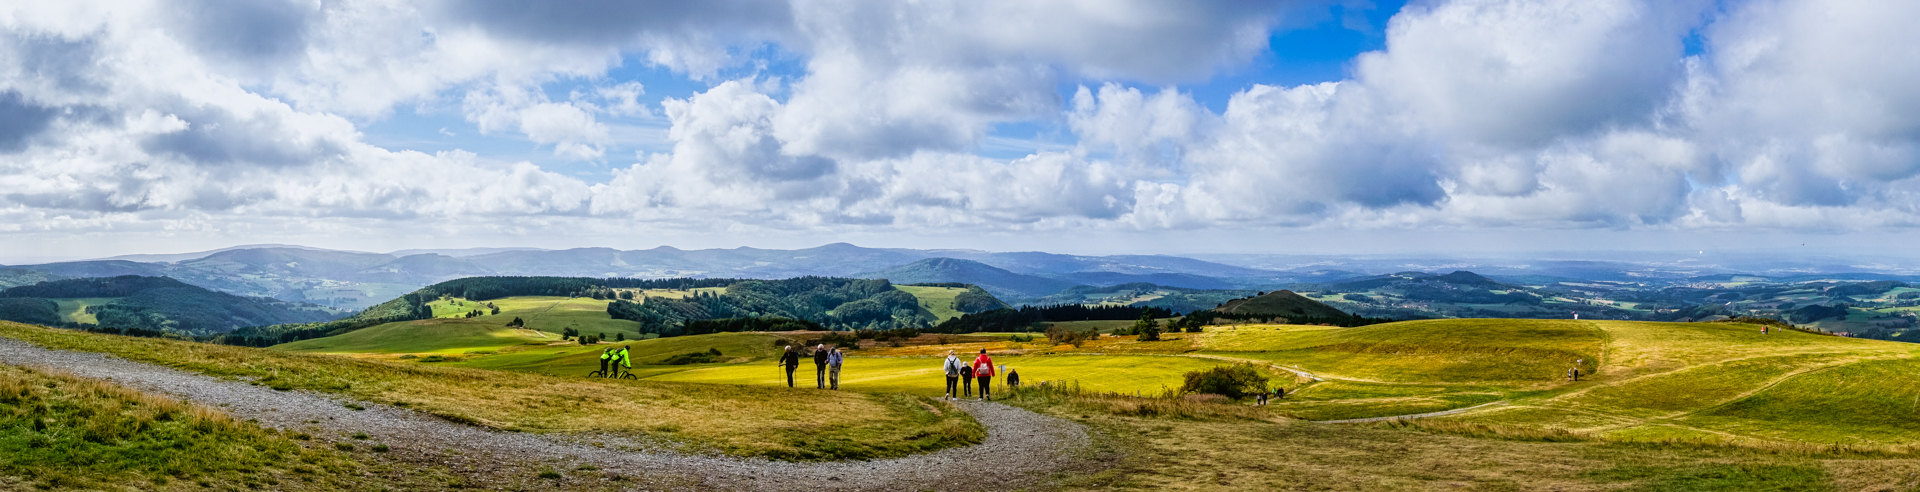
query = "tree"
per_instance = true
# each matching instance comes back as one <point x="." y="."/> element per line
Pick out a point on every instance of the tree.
<point x="621" y="337"/>
<point x="1147" y="327"/>
<point x="517" y="322"/>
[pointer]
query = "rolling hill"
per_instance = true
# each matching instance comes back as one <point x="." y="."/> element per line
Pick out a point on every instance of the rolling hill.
<point x="1001" y="283"/>
<point x="474" y="314"/>
<point x="1280" y="303"/>
<point x="1642" y="381"/>
<point x="148" y="303"/>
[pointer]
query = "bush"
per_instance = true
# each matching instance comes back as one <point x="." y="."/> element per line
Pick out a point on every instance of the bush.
<point x="1062" y="336"/>
<point x="841" y="338"/>
<point x="1234" y="381"/>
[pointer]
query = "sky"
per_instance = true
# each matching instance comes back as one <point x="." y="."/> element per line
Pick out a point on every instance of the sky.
<point x="1091" y="127"/>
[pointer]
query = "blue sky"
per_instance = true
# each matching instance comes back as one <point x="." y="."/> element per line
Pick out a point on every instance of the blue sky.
<point x="1315" y="47"/>
<point x="1124" y="126"/>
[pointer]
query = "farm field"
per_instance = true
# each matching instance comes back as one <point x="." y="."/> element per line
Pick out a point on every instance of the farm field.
<point x="75" y="310"/>
<point x="936" y="300"/>
<point x="451" y="332"/>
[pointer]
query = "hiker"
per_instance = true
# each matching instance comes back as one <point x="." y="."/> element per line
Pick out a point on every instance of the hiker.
<point x="983" y="372"/>
<point x="1576" y="374"/>
<point x="966" y="380"/>
<point x="1260" y="400"/>
<point x="790" y="361"/>
<point x="1013" y="378"/>
<point x="626" y="361"/>
<point x="833" y="368"/>
<point x="820" y="366"/>
<point x="1279" y="392"/>
<point x="953" y="368"/>
<point x="606" y="356"/>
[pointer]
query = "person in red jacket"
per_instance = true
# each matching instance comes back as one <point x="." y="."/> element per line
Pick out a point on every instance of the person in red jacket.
<point x="983" y="374"/>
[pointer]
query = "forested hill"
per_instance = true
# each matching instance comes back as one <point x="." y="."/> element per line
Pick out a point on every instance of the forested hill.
<point x="150" y="304"/>
<point x="840" y="303"/>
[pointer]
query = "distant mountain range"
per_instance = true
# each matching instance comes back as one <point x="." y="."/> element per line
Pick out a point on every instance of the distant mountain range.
<point x="355" y="280"/>
<point x="1656" y="286"/>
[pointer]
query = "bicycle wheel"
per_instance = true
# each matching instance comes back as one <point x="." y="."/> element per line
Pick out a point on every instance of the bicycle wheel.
<point x="628" y="376"/>
<point x="596" y="374"/>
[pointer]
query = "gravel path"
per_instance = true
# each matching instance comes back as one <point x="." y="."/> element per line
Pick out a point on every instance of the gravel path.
<point x="1022" y="449"/>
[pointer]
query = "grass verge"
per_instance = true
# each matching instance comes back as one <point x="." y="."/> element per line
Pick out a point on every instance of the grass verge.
<point x="65" y="432"/>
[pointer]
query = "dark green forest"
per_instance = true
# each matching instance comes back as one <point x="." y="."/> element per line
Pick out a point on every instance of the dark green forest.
<point x="835" y="303"/>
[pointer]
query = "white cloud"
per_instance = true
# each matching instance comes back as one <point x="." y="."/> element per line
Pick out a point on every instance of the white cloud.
<point x="1799" y="115"/>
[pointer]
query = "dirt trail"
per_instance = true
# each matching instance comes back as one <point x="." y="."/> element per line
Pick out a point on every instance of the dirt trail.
<point x="1441" y="413"/>
<point x="1022" y="448"/>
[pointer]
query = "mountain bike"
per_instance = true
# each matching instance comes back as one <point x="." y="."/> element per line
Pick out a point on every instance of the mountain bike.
<point x="601" y="374"/>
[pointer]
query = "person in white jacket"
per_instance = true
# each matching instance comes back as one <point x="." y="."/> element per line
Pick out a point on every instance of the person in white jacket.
<point x="952" y="368"/>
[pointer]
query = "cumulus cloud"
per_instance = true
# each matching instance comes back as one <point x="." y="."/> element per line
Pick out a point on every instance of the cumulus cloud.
<point x="1798" y="114"/>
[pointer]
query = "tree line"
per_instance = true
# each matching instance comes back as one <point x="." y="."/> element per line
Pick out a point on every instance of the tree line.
<point x="1030" y="318"/>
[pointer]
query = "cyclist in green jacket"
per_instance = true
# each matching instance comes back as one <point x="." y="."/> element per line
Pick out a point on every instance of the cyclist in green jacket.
<point x="625" y="362"/>
<point x="606" y="358"/>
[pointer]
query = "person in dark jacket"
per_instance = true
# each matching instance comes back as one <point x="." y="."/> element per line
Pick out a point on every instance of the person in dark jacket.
<point x="1013" y="379"/>
<point x="820" y="366"/>
<point x="966" y="381"/>
<point x="790" y="361"/>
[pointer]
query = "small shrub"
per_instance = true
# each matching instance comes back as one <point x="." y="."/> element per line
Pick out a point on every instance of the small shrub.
<point x="1232" y="381"/>
<point x="381" y="448"/>
<point x="692" y="358"/>
<point x="550" y="475"/>
<point x="360" y="436"/>
<point x="343" y="446"/>
<point x="354" y="406"/>
<point x="841" y="338"/>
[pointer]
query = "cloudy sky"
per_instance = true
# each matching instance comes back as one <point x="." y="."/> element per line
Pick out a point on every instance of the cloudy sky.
<point x="1070" y="126"/>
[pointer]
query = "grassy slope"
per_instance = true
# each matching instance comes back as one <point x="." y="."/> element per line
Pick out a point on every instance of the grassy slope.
<point x="75" y="310"/>
<point x="736" y="420"/>
<point x="936" y="300"/>
<point x="571" y="359"/>
<point x="453" y="333"/>
<point x="59" y="431"/>
<point x="1433" y="351"/>
<point x="1714" y="382"/>
<point x="1172" y="445"/>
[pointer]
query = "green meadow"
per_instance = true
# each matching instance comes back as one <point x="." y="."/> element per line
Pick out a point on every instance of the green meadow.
<point x="75" y="310"/>
<point x="936" y="300"/>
